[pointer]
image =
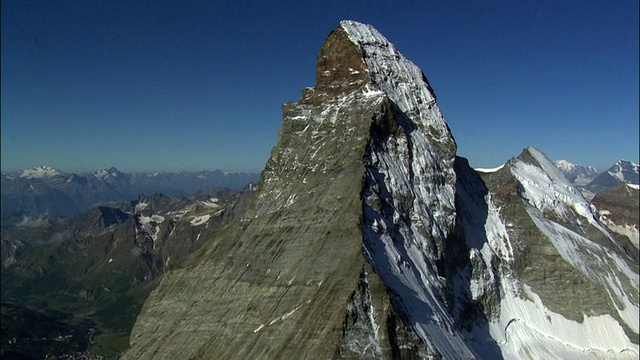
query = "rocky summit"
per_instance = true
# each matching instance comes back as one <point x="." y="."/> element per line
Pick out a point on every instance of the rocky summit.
<point x="368" y="238"/>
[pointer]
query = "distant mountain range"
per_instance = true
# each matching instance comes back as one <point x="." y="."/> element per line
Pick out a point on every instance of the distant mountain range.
<point x="45" y="190"/>
<point x="591" y="182"/>
<point x="578" y="174"/>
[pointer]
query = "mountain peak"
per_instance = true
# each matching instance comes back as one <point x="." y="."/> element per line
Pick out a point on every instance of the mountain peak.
<point x="625" y="165"/>
<point x="545" y="187"/>
<point x="399" y="78"/>
<point x="366" y="149"/>
<point x="536" y="157"/>
<point x="623" y="171"/>
<point x="567" y="166"/>
<point x="340" y="67"/>
<point x="111" y="172"/>
<point x="578" y="174"/>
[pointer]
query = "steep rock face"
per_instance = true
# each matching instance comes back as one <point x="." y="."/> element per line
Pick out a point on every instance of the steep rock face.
<point x="289" y="279"/>
<point x="408" y="194"/>
<point x="619" y="209"/>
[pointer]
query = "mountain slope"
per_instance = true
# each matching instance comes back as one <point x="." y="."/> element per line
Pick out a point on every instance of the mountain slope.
<point x="97" y="268"/>
<point x="619" y="208"/>
<point x="562" y="261"/>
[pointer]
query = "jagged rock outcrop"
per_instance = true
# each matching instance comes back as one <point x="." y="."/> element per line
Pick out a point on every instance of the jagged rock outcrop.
<point x="369" y="238"/>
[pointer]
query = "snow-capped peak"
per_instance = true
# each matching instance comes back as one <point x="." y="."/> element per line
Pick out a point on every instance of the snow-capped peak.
<point x="39" y="172"/>
<point x="625" y="171"/>
<point x="545" y="187"/>
<point x="570" y="168"/>
<point x="399" y="78"/>
<point x="111" y="172"/>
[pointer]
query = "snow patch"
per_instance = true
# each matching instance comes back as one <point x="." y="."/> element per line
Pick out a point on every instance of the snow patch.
<point x="149" y="225"/>
<point x="212" y="203"/>
<point x="140" y="206"/>
<point x="527" y="329"/>
<point x="199" y="220"/>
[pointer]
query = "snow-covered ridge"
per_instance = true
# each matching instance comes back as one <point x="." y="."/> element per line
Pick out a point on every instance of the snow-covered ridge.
<point x="402" y="81"/>
<point x="39" y="172"/>
<point x="409" y="206"/>
<point x="489" y="170"/>
<point x="111" y="172"/>
<point x="524" y="327"/>
<point x="547" y="189"/>
<point x="525" y="323"/>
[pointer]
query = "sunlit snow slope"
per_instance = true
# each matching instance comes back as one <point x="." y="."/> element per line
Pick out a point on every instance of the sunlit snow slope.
<point x="567" y="288"/>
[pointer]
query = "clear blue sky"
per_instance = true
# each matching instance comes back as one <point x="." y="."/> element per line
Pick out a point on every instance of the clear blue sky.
<point x="195" y="85"/>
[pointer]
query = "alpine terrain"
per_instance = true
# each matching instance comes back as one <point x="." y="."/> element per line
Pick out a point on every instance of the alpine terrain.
<point x="579" y="175"/>
<point x="624" y="171"/>
<point x="75" y="285"/>
<point x="46" y="191"/>
<point x="369" y="238"/>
